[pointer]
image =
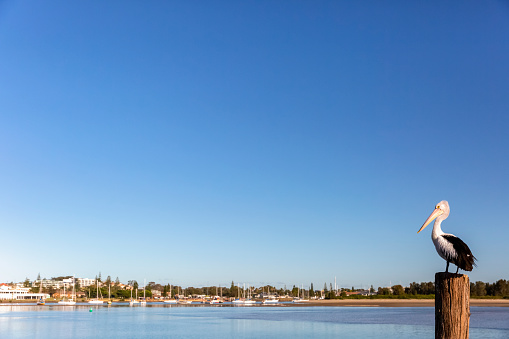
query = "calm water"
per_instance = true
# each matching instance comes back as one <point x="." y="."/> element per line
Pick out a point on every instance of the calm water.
<point x="155" y="321"/>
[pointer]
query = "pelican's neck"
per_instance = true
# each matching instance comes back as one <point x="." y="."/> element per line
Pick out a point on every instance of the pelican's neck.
<point x="437" y="230"/>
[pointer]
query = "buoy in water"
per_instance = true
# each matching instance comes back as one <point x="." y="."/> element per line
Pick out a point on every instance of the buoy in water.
<point x="90" y="309"/>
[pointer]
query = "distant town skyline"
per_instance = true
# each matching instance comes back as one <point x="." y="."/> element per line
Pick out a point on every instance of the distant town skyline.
<point x="264" y="143"/>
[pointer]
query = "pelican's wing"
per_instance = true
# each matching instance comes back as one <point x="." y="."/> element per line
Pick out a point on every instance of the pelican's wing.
<point x="465" y="259"/>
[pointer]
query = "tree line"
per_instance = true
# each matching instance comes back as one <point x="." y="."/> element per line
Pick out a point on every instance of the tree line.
<point x="499" y="288"/>
<point x="477" y="289"/>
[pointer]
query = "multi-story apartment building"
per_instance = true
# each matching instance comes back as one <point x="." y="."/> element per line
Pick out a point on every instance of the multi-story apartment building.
<point x="85" y="282"/>
<point x="59" y="284"/>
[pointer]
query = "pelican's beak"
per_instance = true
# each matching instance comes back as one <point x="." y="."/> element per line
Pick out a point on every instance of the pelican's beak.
<point x="433" y="215"/>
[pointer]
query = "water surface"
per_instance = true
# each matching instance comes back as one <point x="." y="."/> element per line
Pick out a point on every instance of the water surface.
<point x="156" y="321"/>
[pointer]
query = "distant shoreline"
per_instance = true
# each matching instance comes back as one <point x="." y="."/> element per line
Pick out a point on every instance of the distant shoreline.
<point x="399" y="303"/>
<point x="352" y="303"/>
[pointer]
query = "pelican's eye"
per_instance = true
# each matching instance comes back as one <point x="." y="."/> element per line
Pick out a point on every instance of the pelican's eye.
<point x="438" y="207"/>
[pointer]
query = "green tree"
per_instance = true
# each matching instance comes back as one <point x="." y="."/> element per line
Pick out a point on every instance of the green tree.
<point x="330" y="294"/>
<point x="123" y="294"/>
<point x="233" y="292"/>
<point x="295" y="291"/>
<point x="384" y="291"/>
<point x="398" y="290"/>
<point x="478" y="289"/>
<point x="501" y="288"/>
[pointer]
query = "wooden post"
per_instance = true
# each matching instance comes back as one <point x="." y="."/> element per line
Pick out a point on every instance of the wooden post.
<point x="452" y="305"/>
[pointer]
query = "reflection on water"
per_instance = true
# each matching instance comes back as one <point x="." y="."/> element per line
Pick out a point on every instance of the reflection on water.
<point x="159" y="320"/>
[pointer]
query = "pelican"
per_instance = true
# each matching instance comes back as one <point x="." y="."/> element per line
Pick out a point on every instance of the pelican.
<point x="449" y="247"/>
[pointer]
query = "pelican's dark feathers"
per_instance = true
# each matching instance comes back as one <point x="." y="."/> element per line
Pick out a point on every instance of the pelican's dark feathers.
<point x="464" y="258"/>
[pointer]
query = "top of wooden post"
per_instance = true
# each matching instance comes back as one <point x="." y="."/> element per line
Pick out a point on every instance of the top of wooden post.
<point x="448" y="275"/>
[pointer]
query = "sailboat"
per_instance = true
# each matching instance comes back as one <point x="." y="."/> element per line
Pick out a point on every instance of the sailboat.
<point x="238" y="300"/>
<point x="65" y="301"/>
<point x="41" y="301"/>
<point x="249" y="301"/>
<point x="131" y="302"/>
<point x="184" y="300"/>
<point x="216" y="299"/>
<point x="144" y="301"/>
<point x="170" y="301"/>
<point x="134" y="301"/>
<point x="300" y="299"/>
<point x="271" y="299"/>
<point x="96" y="301"/>
<point x="109" y="292"/>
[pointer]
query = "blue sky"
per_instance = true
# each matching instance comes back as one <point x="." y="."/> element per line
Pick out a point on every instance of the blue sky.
<point x="198" y="142"/>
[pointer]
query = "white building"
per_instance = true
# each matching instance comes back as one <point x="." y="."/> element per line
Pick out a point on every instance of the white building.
<point x="59" y="284"/>
<point x="23" y="293"/>
<point x="46" y="283"/>
<point x="84" y="282"/>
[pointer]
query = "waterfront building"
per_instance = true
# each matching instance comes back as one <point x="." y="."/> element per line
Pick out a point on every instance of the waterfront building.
<point x="19" y="293"/>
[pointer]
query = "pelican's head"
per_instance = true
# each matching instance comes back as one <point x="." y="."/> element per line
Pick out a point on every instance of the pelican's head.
<point x="441" y="209"/>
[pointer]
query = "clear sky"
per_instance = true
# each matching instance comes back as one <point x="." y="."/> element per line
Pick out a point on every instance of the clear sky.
<point x="287" y="142"/>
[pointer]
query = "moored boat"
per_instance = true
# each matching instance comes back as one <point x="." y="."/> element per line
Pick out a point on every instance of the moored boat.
<point x="216" y="300"/>
<point x="65" y="301"/>
<point x="96" y="301"/>
<point x="271" y="300"/>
